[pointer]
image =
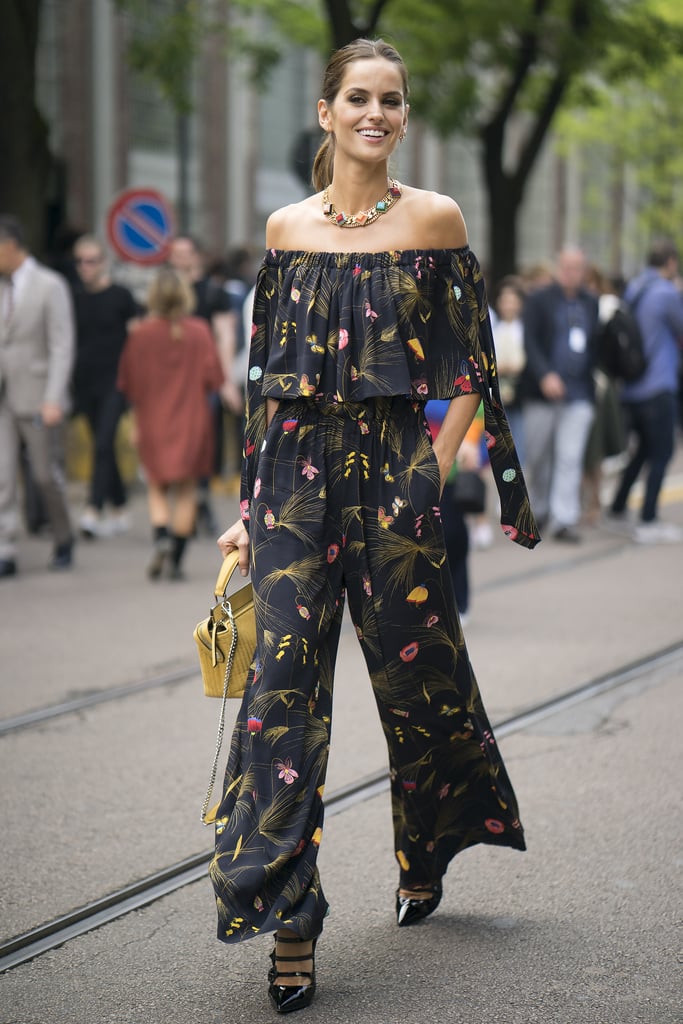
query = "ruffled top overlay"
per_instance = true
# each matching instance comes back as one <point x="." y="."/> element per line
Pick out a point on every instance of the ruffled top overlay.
<point x="348" y="327"/>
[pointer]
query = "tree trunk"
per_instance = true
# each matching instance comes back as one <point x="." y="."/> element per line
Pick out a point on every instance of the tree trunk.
<point x="504" y="197"/>
<point x="503" y="213"/>
<point x="343" y="28"/>
<point x="25" y="162"/>
<point x="506" y="189"/>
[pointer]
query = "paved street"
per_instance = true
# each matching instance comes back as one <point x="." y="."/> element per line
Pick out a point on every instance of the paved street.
<point x="580" y="929"/>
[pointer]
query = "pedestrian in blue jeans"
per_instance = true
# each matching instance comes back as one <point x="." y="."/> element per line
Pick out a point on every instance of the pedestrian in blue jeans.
<point x="650" y="402"/>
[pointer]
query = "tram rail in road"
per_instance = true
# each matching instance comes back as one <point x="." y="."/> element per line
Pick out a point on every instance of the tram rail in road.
<point x="53" y="934"/>
<point x="39" y="716"/>
<point x="89" y="700"/>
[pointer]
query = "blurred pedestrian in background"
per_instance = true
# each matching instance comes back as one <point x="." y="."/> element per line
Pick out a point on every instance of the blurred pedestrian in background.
<point x="36" y="360"/>
<point x="536" y="276"/>
<point x="240" y="278"/>
<point x="508" y="336"/>
<point x="607" y="437"/>
<point x="238" y="282"/>
<point x="235" y="275"/>
<point x="557" y="392"/>
<point x="104" y="315"/>
<point x="650" y="403"/>
<point x="168" y="368"/>
<point x="241" y="364"/>
<point x="213" y="305"/>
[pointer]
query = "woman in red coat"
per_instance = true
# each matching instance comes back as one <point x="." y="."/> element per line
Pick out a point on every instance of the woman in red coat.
<point x="167" y="370"/>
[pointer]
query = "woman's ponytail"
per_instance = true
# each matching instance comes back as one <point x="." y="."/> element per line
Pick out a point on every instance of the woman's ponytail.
<point x="323" y="165"/>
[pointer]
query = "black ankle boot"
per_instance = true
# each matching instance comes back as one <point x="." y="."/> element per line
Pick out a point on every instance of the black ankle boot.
<point x="409" y="911"/>
<point x="287" y="998"/>
<point x="160" y="553"/>
<point x="177" y="552"/>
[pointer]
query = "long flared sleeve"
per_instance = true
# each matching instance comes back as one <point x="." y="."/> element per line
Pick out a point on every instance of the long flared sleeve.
<point x="265" y="304"/>
<point x="468" y="313"/>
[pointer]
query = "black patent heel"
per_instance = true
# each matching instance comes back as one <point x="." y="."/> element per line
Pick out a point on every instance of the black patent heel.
<point x="409" y="911"/>
<point x="287" y="998"/>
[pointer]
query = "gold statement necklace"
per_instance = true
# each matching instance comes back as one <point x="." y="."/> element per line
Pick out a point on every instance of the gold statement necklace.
<point x="361" y="220"/>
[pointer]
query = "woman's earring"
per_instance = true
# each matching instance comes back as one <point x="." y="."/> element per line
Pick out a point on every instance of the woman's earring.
<point x="403" y="135"/>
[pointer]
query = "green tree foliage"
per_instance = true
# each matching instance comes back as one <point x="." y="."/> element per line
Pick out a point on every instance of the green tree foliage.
<point x="635" y="124"/>
<point x="164" y="44"/>
<point x="498" y="70"/>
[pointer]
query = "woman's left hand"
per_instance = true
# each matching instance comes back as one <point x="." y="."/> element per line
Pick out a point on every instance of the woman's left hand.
<point x="236" y="538"/>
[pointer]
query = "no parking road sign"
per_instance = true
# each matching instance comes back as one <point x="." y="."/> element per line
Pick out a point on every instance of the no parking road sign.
<point x="140" y="226"/>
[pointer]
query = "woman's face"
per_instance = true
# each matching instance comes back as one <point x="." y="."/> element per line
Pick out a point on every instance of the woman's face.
<point x="509" y="305"/>
<point x="369" y="112"/>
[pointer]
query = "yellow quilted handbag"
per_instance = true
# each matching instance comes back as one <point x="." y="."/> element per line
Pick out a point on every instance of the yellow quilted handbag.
<point x="226" y="639"/>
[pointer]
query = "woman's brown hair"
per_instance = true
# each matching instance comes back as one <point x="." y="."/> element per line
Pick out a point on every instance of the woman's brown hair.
<point x="170" y="297"/>
<point x="359" y="49"/>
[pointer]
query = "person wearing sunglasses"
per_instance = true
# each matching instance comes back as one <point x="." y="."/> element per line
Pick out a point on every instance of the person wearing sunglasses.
<point x="104" y="314"/>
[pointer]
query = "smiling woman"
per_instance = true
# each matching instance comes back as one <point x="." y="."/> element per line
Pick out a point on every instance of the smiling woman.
<point x="353" y="331"/>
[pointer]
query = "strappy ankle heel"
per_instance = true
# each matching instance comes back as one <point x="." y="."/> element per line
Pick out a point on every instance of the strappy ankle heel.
<point x="287" y="998"/>
<point x="409" y="911"/>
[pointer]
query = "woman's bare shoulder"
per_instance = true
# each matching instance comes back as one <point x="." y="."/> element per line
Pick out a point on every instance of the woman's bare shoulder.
<point x="287" y="222"/>
<point x="438" y="218"/>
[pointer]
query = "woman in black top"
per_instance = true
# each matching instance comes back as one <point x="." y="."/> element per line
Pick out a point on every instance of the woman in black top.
<point x="369" y="302"/>
<point x="104" y="312"/>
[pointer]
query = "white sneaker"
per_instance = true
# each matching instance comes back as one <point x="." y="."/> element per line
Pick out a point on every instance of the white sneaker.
<point x="657" y="532"/>
<point x="92" y="525"/>
<point x="118" y="523"/>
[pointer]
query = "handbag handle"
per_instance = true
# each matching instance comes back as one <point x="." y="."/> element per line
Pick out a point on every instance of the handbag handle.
<point x="230" y="563"/>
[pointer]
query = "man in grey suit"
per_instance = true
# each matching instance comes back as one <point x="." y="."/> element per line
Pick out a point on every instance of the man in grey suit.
<point x="36" y="359"/>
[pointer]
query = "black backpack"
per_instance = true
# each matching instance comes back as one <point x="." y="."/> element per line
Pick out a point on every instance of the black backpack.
<point x="621" y="351"/>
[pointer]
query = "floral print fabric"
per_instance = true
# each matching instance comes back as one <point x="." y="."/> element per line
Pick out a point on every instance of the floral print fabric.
<point x="340" y="327"/>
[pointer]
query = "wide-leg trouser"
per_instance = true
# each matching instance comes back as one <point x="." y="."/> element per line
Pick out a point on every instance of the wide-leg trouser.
<point x="347" y="500"/>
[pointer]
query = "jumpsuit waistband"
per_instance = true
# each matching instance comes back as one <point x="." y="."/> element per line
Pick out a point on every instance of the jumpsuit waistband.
<point x="380" y="408"/>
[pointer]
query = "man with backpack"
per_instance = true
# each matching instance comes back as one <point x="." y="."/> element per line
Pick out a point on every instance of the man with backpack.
<point x="650" y="401"/>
